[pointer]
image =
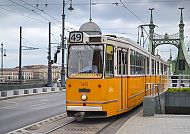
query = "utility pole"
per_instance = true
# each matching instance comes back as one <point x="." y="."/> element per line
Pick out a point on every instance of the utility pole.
<point x="20" y="58"/>
<point x="1" y="59"/>
<point x="2" y="50"/>
<point x="49" y="59"/>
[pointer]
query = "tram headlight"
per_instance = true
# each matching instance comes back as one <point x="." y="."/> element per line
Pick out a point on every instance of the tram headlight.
<point x="84" y="97"/>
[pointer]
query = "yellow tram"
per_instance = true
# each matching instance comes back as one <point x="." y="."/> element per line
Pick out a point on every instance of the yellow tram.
<point x="108" y="75"/>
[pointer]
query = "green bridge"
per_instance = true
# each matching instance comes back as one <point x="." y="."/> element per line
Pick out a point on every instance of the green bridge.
<point x="182" y="64"/>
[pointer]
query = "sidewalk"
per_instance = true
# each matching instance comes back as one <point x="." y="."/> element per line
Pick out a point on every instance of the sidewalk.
<point x="157" y="124"/>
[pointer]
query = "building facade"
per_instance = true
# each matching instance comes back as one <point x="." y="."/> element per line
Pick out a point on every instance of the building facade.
<point x="31" y="73"/>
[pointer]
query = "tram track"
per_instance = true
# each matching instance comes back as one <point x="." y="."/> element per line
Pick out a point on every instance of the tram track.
<point x="58" y="127"/>
<point x="61" y="124"/>
<point x="44" y="126"/>
<point x="97" y="126"/>
<point x="120" y="120"/>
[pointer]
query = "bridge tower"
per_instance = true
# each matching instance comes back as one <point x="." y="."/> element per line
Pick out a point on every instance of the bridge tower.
<point x="151" y="33"/>
<point x="182" y="66"/>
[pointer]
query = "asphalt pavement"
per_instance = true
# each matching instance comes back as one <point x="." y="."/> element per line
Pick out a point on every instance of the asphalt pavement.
<point x="22" y="111"/>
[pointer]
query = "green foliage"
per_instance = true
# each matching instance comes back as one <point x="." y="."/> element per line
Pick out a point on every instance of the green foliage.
<point x="178" y="90"/>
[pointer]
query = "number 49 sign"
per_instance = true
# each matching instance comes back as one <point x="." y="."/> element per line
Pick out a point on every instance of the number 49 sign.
<point x="76" y="37"/>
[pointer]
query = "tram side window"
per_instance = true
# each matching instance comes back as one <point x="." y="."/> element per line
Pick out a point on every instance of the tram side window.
<point x="147" y="65"/>
<point x="165" y="69"/>
<point x="153" y="67"/>
<point x="132" y="62"/>
<point x="126" y="63"/>
<point x="158" y="68"/>
<point x="122" y="62"/>
<point x="119" y="61"/>
<point x="97" y="61"/>
<point x="137" y="64"/>
<point x="162" y="72"/>
<point x="109" y="61"/>
<point x="144" y="64"/>
<point x="140" y="64"/>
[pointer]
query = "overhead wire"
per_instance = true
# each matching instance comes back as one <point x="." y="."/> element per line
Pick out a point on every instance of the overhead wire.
<point x="32" y="5"/>
<point x="25" y="41"/>
<point x="34" y="12"/>
<point x="40" y="10"/>
<point x="131" y="12"/>
<point x="22" y="14"/>
<point x="57" y="42"/>
<point x="107" y="3"/>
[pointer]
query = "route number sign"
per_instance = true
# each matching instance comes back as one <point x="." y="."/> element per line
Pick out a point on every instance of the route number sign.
<point x="76" y="37"/>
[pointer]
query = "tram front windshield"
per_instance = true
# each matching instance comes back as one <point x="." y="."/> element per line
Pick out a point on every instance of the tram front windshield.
<point x="84" y="60"/>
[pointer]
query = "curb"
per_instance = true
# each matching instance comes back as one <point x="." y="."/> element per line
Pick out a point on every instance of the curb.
<point x="28" y="92"/>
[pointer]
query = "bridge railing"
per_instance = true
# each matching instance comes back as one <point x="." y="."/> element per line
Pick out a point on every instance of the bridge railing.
<point x="179" y="81"/>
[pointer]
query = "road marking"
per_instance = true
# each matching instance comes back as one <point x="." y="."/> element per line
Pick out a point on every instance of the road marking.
<point x="9" y="101"/>
<point x="35" y="105"/>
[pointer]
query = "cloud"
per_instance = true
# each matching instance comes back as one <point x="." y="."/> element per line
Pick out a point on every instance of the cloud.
<point x="112" y="19"/>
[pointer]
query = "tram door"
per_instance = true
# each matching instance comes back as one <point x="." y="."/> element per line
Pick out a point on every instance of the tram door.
<point x="122" y="72"/>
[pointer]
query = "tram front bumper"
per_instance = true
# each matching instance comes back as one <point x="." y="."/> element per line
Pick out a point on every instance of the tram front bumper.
<point x="84" y="108"/>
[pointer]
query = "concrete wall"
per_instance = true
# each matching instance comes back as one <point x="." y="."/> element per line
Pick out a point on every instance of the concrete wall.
<point x="154" y="105"/>
<point x="178" y="102"/>
<point x="29" y="91"/>
<point x="17" y="86"/>
<point x="177" y="99"/>
<point x="171" y="103"/>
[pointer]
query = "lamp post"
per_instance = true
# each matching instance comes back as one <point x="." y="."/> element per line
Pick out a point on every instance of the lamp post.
<point x="63" y="42"/>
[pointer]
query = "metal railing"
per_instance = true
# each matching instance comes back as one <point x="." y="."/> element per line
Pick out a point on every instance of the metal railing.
<point x="179" y="81"/>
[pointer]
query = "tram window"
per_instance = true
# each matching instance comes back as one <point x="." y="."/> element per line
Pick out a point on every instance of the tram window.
<point x="162" y="68"/>
<point x="126" y="62"/>
<point x="153" y="67"/>
<point x="123" y="62"/>
<point x="132" y="62"/>
<point x="144" y="64"/>
<point x="109" y="61"/>
<point x="158" y="67"/>
<point x="97" y="61"/>
<point x="165" y="69"/>
<point x="147" y="65"/>
<point x="139" y="63"/>
<point x="119" y="61"/>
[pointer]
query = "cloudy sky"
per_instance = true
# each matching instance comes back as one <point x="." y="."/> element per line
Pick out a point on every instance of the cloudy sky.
<point x="110" y="15"/>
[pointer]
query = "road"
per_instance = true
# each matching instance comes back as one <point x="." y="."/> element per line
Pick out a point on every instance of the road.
<point x="22" y="111"/>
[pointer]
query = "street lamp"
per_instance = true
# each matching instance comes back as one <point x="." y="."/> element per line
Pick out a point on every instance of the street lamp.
<point x="3" y="53"/>
<point x="63" y="44"/>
